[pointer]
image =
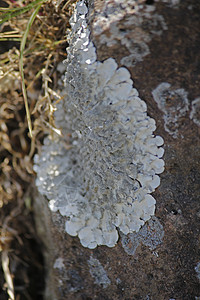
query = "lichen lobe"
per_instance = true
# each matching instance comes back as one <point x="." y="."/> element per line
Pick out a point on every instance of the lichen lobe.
<point x="104" y="180"/>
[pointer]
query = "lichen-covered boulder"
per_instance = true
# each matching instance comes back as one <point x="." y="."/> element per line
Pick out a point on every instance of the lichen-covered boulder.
<point x="100" y="178"/>
<point x="105" y="178"/>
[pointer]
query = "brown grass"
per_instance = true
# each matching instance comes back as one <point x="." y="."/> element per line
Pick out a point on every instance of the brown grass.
<point x="22" y="272"/>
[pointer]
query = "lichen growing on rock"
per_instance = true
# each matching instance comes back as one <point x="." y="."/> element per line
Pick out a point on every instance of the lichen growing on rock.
<point x="151" y="235"/>
<point x="171" y="3"/>
<point x="195" y="111"/>
<point x="98" y="273"/>
<point x="102" y="178"/>
<point x="197" y="269"/>
<point x="140" y="22"/>
<point x="173" y="103"/>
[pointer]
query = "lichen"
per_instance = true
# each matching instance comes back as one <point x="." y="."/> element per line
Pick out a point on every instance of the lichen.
<point x="131" y="24"/>
<point x="170" y="3"/>
<point x="174" y="104"/>
<point x="98" y="273"/>
<point x="197" y="269"/>
<point x="59" y="263"/>
<point x="151" y="235"/>
<point x="195" y="111"/>
<point x="146" y="27"/>
<point x="101" y="174"/>
<point x="74" y="282"/>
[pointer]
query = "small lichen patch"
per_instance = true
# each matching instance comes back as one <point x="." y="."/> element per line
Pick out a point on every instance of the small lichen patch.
<point x="74" y="283"/>
<point x="59" y="263"/>
<point x="173" y="103"/>
<point x="170" y="3"/>
<point x="197" y="269"/>
<point x="140" y="25"/>
<point x="102" y="178"/>
<point x="98" y="273"/>
<point x="147" y="25"/>
<point x="195" y="111"/>
<point x="151" y="235"/>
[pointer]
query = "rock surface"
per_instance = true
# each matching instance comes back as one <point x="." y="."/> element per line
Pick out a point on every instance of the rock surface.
<point x="158" y="41"/>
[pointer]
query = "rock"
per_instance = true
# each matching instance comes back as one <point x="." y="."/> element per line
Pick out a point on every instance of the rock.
<point x="158" y="42"/>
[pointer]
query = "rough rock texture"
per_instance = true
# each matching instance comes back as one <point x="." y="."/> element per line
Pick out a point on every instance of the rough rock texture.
<point x="168" y="38"/>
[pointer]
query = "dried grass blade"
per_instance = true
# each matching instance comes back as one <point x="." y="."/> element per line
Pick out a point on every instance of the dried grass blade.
<point x="22" y="47"/>
<point x="7" y="274"/>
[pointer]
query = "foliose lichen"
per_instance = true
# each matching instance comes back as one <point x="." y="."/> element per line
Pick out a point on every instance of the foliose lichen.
<point x="100" y="176"/>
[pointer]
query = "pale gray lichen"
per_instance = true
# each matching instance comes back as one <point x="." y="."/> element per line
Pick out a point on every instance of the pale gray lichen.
<point x="197" y="269"/>
<point x="59" y="263"/>
<point x="101" y="179"/>
<point x="98" y="273"/>
<point x="146" y="26"/>
<point x="151" y="235"/>
<point x="113" y="12"/>
<point x="171" y="3"/>
<point x="173" y="103"/>
<point x="140" y="25"/>
<point x="195" y="111"/>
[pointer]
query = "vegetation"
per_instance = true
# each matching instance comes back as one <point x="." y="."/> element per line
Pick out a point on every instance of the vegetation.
<point x="32" y="44"/>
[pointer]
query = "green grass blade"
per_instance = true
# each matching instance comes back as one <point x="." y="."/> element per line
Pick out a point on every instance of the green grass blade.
<point x="22" y="47"/>
<point x="10" y="13"/>
<point x="10" y="39"/>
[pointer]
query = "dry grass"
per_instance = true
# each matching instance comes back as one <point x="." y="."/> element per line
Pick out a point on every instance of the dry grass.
<point x="42" y="51"/>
